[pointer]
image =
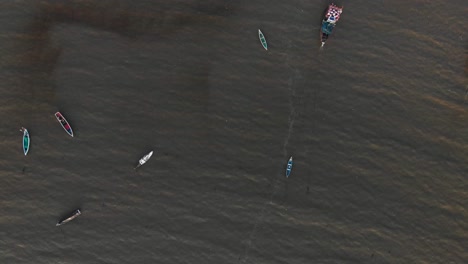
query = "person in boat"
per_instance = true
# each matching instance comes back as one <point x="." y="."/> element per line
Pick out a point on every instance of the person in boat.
<point x="62" y="120"/>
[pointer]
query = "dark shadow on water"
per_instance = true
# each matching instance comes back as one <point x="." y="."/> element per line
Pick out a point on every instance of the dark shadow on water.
<point x="36" y="55"/>
<point x="466" y="61"/>
<point x="130" y="21"/>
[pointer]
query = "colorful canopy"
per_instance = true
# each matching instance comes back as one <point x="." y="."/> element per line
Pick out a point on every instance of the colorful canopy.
<point x="333" y="13"/>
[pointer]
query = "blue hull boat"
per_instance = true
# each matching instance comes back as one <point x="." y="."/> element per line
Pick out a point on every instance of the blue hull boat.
<point x="289" y="167"/>
<point x="329" y="21"/>
<point x="262" y="39"/>
<point x="26" y="140"/>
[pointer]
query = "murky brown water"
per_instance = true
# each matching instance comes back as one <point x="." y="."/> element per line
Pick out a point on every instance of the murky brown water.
<point x="376" y="122"/>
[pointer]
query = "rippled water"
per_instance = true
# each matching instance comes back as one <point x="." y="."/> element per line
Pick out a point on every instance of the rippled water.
<point x="376" y="122"/>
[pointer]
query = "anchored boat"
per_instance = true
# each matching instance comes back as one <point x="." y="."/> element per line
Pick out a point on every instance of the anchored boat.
<point x="329" y="21"/>
<point x="64" y="123"/>
<point x="26" y="140"/>
<point x="73" y="215"/>
<point x="289" y="167"/>
<point x="144" y="159"/>
<point x="262" y="39"/>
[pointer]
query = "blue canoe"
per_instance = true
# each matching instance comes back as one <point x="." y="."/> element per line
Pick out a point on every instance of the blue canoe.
<point x="262" y="39"/>
<point x="26" y="140"/>
<point x="289" y="167"/>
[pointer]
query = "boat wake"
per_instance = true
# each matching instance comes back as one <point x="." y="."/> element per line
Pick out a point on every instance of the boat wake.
<point x="244" y="257"/>
<point x="293" y="113"/>
<point x="296" y="75"/>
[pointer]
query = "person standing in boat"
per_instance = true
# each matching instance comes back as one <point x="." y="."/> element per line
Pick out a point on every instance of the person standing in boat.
<point x="62" y="120"/>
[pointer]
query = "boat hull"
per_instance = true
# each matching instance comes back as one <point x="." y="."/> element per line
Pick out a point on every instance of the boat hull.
<point x="332" y="15"/>
<point x="144" y="159"/>
<point x="262" y="39"/>
<point x="26" y="141"/>
<point x="323" y="37"/>
<point x="289" y="167"/>
<point x="67" y="219"/>
<point x="64" y="123"/>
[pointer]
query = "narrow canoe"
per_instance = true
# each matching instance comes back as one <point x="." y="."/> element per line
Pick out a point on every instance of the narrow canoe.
<point x="144" y="159"/>
<point x="67" y="219"/>
<point x="289" y="167"/>
<point x="66" y="126"/>
<point x="26" y="140"/>
<point x="262" y="39"/>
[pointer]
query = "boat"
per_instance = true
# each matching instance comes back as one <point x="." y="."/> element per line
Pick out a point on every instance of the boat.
<point x="144" y="159"/>
<point x="329" y="21"/>
<point x="26" y="140"/>
<point x="262" y="39"/>
<point x="289" y="167"/>
<point x="72" y="216"/>
<point x="64" y="123"/>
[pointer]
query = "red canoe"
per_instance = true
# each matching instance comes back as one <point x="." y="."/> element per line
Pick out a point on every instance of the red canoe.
<point x="64" y="123"/>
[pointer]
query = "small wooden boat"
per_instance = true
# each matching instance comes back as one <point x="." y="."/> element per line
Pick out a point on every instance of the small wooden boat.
<point x="73" y="215"/>
<point x="64" y="123"/>
<point x="329" y="21"/>
<point x="144" y="159"/>
<point x="262" y="39"/>
<point x="26" y="140"/>
<point x="289" y="167"/>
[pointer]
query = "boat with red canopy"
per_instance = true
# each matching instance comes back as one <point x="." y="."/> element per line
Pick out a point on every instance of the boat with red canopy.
<point x="329" y="21"/>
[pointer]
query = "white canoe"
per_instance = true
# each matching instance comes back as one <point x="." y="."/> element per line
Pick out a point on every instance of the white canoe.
<point x="74" y="215"/>
<point x="144" y="159"/>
